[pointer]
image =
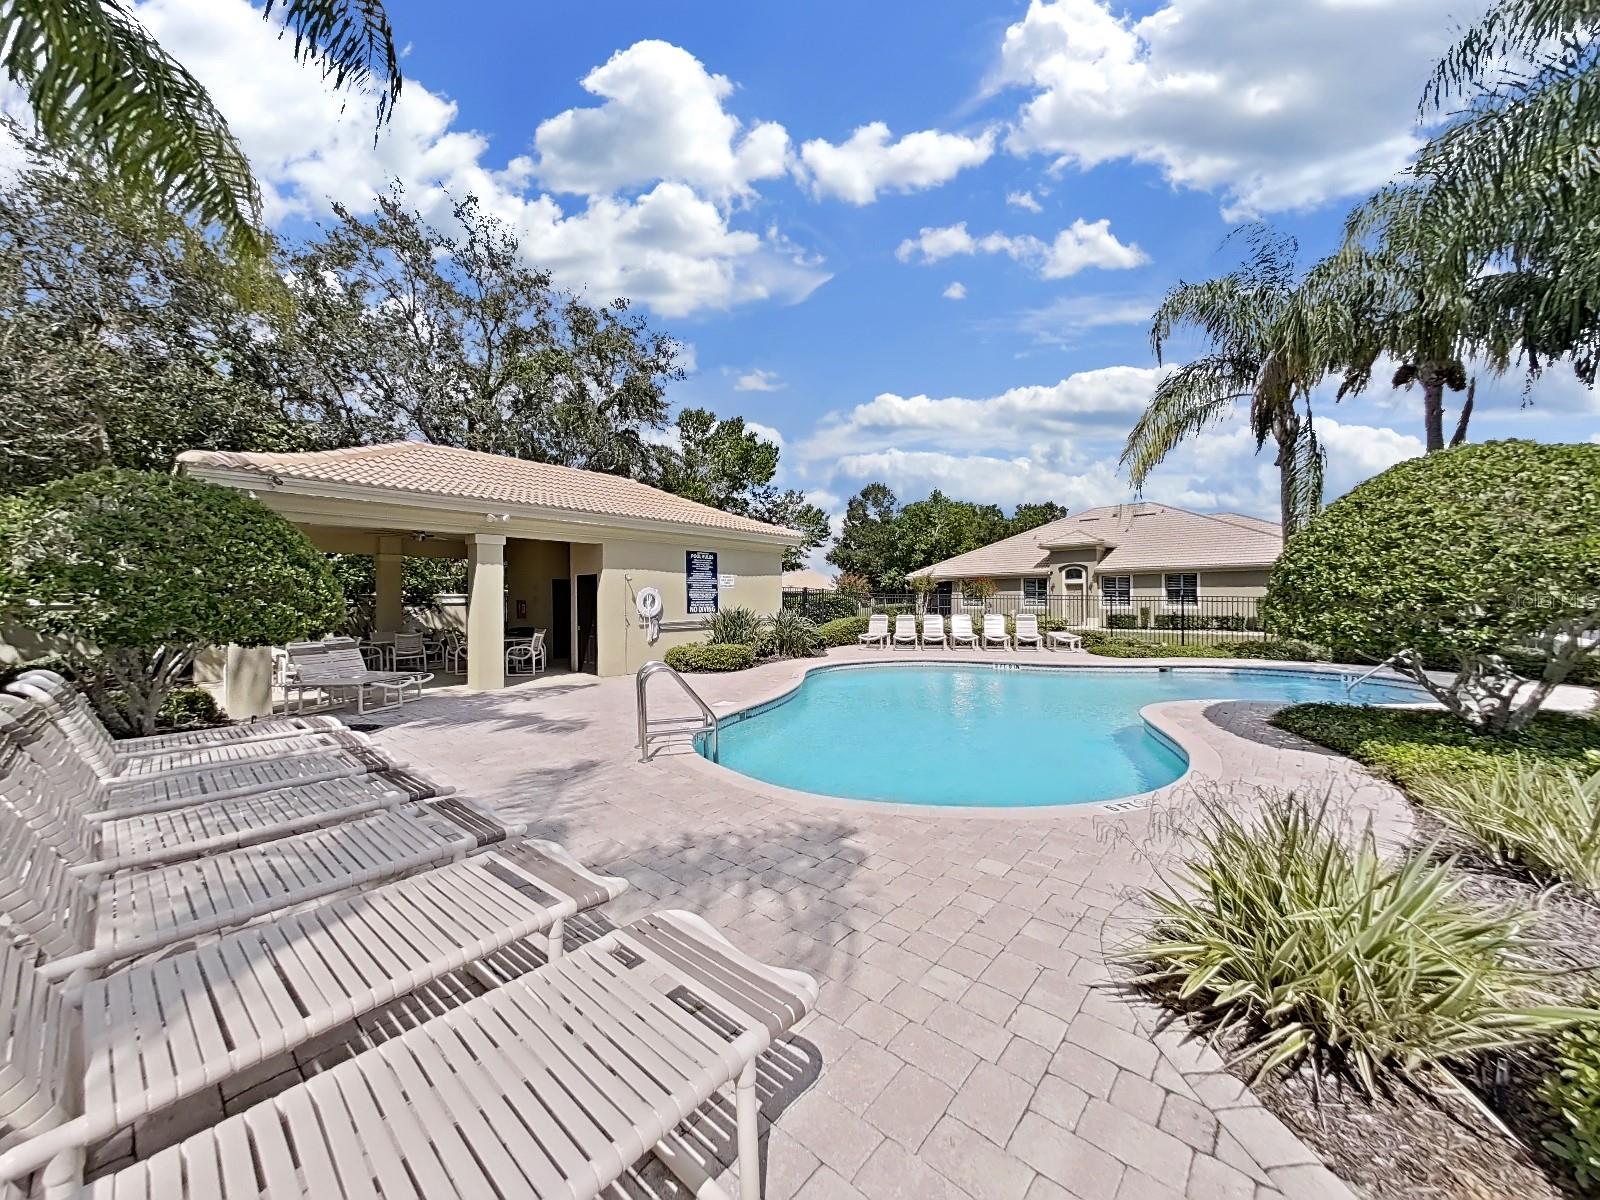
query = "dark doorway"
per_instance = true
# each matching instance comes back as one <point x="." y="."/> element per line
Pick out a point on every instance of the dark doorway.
<point x="942" y="598"/>
<point x="560" y="633"/>
<point x="588" y="617"/>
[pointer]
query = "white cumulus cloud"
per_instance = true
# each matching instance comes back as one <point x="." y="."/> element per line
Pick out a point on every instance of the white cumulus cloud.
<point x="956" y="291"/>
<point x="663" y="117"/>
<point x="869" y="161"/>
<point x="671" y="243"/>
<point x="1081" y="245"/>
<point x="1274" y="104"/>
<point x="1024" y="201"/>
<point x="757" y="380"/>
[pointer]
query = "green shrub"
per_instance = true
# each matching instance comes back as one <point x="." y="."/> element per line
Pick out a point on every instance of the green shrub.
<point x="1403" y="743"/>
<point x="1457" y="557"/>
<point x="1537" y="816"/>
<point x="787" y="634"/>
<point x="1283" y="649"/>
<point x="130" y="573"/>
<point x="189" y="708"/>
<point x="711" y="656"/>
<point x="1573" y="1090"/>
<point x="845" y="631"/>
<point x="821" y="606"/>
<point x="733" y="627"/>
<point x="1122" y="620"/>
<point x="1305" y="946"/>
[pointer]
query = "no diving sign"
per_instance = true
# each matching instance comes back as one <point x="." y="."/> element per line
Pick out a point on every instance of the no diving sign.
<point x="700" y="581"/>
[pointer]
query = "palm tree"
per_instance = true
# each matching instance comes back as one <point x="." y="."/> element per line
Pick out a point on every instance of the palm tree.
<point x="104" y="91"/>
<point x="1412" y="288"/>
<point x="1266" y="349"/>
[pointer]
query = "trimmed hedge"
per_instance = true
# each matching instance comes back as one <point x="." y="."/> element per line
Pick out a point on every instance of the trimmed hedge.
<point x="190" y="708"/>
<point x="845" y="631"/>
<point x="1283" y="649"/>
<point x="711" y="656"/>
<point x="1402" y="743"/>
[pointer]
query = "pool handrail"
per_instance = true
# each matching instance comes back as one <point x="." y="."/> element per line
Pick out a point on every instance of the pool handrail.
<point x="645" y="673"/>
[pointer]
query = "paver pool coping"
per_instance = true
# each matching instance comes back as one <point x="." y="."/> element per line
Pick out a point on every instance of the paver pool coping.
<point x="1202" y="758"/>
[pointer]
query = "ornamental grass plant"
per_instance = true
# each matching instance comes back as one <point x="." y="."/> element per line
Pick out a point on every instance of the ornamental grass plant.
<point x="1525" y="813"/>
<point x="1286" y="936"/>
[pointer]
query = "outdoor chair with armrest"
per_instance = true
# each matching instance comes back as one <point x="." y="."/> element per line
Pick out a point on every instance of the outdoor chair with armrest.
<point x="877" y="631"/>
<point x="410" y="652"/>
<point x="994" y="631"/>
<point x="341" y="670"/>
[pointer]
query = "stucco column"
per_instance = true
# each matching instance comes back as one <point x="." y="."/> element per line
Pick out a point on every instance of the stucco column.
<point x="387" y="562"/>
<point x="247" y="682"/>
<point x="486" y="612"/>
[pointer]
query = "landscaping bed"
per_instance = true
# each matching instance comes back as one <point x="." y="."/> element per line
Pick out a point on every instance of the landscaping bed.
<point x="1406" y="1141"/>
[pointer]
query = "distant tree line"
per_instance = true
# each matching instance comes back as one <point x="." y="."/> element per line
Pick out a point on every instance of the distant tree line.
<point x="127" y="336"/>
<point x="882" y="541"/>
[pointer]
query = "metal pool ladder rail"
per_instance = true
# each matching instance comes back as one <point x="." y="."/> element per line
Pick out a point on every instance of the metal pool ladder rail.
<point x="666" y="727"/>
<point x="1352" y="683"/>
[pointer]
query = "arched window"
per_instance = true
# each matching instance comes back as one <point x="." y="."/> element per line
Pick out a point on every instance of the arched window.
<point x="1073" y="576"/>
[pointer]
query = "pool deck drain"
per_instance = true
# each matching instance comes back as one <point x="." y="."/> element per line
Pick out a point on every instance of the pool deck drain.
<point x="966" y="1046"/>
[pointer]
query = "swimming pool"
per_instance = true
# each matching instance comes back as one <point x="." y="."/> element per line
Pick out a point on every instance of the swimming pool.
<point x="993" y="737"/>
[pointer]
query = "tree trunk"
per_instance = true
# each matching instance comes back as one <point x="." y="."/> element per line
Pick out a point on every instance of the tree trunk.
<point x="1433" y="406"/>
<point x="1460" y="435"/>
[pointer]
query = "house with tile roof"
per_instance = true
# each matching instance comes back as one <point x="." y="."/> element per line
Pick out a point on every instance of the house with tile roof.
<point x="1122" y="557"/>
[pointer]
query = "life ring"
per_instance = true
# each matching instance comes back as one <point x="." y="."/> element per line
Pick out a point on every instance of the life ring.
<point x="649" y="603"/>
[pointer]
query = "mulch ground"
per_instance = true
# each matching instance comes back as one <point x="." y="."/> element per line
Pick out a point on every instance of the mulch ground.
<point x="1411" y="1144"/>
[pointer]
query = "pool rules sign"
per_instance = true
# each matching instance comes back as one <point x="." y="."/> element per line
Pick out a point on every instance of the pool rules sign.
<point x="700" y="580"/>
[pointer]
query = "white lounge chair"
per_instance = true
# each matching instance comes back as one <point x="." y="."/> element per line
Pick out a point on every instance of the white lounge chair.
<point x="1064" y="639"/>
<point x="339" y="670"/>
<point x="994" y="631"/>
<point x="90" y="739"/>
<point x="877" y="630"/>
<point x="933" y="630"/>
<point x="551" y="1084"/>
<point x="961" y="631"/>
<point x="1027" y="631"/>
<point x="80" y="723"/>
<point x="43" y="868"/>
<point x="905" y="631"/>
<point x="92" y="793"/>
<point x="258" y="993"/>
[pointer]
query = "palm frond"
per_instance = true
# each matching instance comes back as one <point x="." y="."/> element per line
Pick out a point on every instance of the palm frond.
<point x="1305" y="468"/>
<point x="1192" y="398"/>
<point x="103" y="91"/>
<point x="350" y="40"/>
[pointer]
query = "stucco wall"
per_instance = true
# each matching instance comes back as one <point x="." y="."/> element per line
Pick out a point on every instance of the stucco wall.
<point x="530" y="567"/>
<point x="632" y="565"/>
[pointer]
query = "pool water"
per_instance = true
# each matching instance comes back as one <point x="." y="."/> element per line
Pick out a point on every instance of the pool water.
<point x="974" y="735"/>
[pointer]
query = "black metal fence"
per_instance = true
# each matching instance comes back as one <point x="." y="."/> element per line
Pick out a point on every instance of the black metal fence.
<point x="1144" y="616"/>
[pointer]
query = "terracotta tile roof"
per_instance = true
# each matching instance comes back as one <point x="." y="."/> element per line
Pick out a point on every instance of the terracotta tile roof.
<point x="814" y="581"/>
<point x="424" y="469"/>
<point x="1142" y="537"/>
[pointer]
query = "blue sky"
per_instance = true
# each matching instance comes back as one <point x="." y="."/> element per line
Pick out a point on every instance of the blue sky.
<point x="920" y="243"/>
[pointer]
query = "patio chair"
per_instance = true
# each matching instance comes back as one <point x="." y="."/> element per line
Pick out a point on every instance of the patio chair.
<point x="1065" y="639"/>
<point x="45" y="873"/>
<point x="905" y="631"/>
<point x="340" y="670"/>
<point x="994" y="631"/>
<point x="256" y="994"/>
<point x="526" y="658"/>
<point x="933" y="630"/>
<point x="410" y="652"/>
<point x="961" y="631"/>
<point x="877" y="633"/>
<point x="552" y="1084"/>
<point x="1027" y="631"/>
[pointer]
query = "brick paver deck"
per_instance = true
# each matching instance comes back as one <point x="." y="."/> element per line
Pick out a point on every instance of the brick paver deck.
<point x="964" y="1045"/>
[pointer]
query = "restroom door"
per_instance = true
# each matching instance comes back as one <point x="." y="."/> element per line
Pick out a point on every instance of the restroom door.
<point x="560" y="631"/>
<point x="588" y="620"/>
